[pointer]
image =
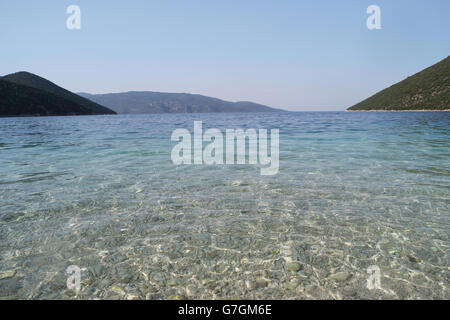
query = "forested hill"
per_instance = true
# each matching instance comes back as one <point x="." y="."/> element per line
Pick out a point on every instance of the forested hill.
<point x="24" y="93"/>
<point x="427" y="90"/>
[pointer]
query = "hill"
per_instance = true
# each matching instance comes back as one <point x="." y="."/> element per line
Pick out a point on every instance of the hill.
<point x="427" y="90"/>
<point x="74" y="104"/>
<point x="18" y="100"/>
<point x="158" y="102"/>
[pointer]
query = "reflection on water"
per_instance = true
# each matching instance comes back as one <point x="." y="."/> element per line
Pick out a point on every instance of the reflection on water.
<point x="354" y="190"/>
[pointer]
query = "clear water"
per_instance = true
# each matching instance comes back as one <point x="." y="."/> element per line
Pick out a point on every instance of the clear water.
<point x="354" y="190"/>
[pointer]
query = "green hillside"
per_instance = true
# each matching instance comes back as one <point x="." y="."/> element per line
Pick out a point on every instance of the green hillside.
<point x="427" y="90"/>
<point x="18" y="100"/>
<point x="33" y="81"/>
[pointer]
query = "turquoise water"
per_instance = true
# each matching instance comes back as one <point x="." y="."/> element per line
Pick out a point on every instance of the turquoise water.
<point x="353" y="190"/>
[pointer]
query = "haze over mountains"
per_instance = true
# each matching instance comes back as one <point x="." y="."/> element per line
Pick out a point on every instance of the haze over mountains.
<point x="25" y="94"/>
<point x="428" y="89"/>
<point x="143" y="102"/>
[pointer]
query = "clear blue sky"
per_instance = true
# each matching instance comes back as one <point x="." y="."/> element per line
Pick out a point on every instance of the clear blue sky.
<point x="297" y="55"/>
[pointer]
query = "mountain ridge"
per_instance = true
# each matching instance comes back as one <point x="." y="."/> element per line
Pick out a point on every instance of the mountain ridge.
<point x="150" y="102"/>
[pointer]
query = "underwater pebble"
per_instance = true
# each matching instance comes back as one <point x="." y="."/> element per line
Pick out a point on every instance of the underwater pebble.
<point x="209" y="283"/>
<point x="341" y="276"/>
<point x="158" y="277"/>
<point x="294" y="267"/>
<point x="117" y="289"/>
<point x="172" y="283"/>
<point x="7" y="274"/>
<point x="293" y="284"/>
<point x="250" y="284"/>
<point x="191" y="290"/>
<point x="222" y="269"/>
<point x="261" y="283"/>
<point x="413" y="259"/>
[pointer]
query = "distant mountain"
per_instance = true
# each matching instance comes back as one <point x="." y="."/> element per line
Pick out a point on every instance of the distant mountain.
<point x="427" y="90"/>
<point x="158" y="102"/>
<point x="24" y="93"/>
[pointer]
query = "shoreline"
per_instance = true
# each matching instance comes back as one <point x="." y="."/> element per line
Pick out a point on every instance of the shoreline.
<point x="410" y="110"/>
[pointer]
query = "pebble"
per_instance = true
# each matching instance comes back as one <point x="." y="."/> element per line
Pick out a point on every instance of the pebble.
<point x="7" y="274"/>
<point x="350" y="291"/>
<point x="250" y="284"/>
<point x="158" y="277"/>
<point x="223" y="269"/>
<point x="209" y="283"/>
<point x="117" y="290"/>
<point x="293" y="284"/>
<point x="426" y="268"/>
<point x="261" y="283"/>
<point x="413" y="259"/>
<point x="278" y="263"/>
<point x="86" y="282"/>
<point x="191" y="290"/>
<point x="213" y="254"/>
<point x="295" y="267"/>
<point x="132" y="297"/>
<point x="176" y="297"/>
<point x="341" y="276"/>
<point x="172" y="283"/>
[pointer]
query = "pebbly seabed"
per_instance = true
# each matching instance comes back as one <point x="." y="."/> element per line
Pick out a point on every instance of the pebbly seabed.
<point x="353" y="191"/>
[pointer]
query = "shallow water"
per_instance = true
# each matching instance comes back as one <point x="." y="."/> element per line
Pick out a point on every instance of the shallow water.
<point x="354" y="190"/>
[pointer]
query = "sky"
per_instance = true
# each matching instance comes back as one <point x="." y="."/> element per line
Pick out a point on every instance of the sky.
<point x="295" y="55"/>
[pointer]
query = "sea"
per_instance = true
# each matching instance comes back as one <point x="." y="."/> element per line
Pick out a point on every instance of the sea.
<point x="93" y="207"/>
